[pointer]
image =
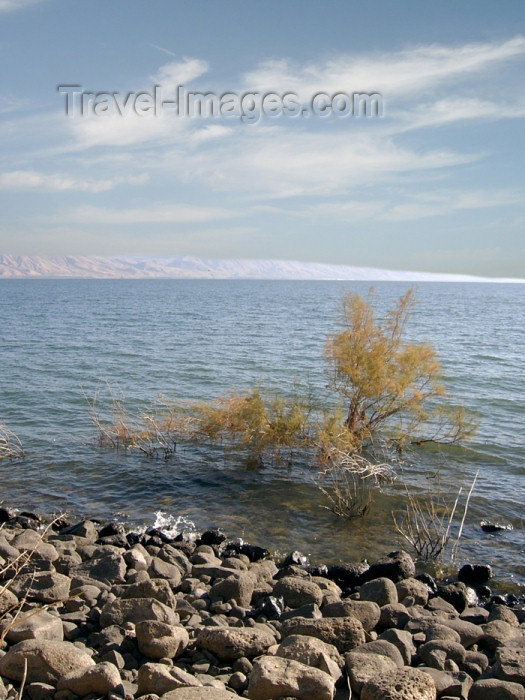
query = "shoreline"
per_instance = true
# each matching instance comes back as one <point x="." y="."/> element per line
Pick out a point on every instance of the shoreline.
<point x="128" y="615"/>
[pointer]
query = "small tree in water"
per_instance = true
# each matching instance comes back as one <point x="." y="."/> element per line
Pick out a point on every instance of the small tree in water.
<point x="388" y="384"/>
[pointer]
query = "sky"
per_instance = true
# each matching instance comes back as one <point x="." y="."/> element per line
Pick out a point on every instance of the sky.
<point x="433" y="180"/>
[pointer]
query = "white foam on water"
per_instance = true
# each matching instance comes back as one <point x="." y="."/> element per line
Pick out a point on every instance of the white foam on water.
<point x="172" y="525"/>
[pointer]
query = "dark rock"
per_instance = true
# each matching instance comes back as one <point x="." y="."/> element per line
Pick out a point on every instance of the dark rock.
<point x="474" y="574"/>
<point x="136" y="538"/>
<point x="395" y="566"/>
<point x="211" y="537"/>
<point x="487" y="526"/>
<point x="456" y="594"/>
<point x="112" y="529"/>
<point x="158" y="535"/>
<point x="429" y="581"/>
<point x="253" y="552"/>
<point x="347" y="575"/>
<point x="115" y="541"/>
<point x="484" y="592"/>
<point x="5" y="515"/>
<point x="297" y="558"/>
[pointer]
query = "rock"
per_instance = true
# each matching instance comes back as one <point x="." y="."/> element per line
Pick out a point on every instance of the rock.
<point x="363" y="667"/>
<point x="440" y="605"/>
<point x="120" y="611"/>
<point x="383" y="648"/>
<point x="228" y="643"/>
<point x="393" y="615"/>
<point x="469" y="633"/>
<point x="101" y="679"/>
<point x="212" y="537"/>
<point x="297" y="592"/>
<point x="37" y="691"/>
<point x="379" y="590"/>
<point x="159" y="589"/>
<point x="47" y="660"/>
<point x="456" y="594"/>
<point x="8" y="600"/>
<point x="411" y="587"/>
<point x="395" y="566"/>
<point x="366" y="611"/>
<point x="110" y="568"/>
<point x="347" y="575"/>
<point x="499" y="633"/>
<point x="403" y="641"/>
<point x="274" y="677"/>
<point x="502" y="612"/>
<point x="437" y="631"/>
<point x="450" y="684"/>
<point x="238" y="588"/>
<point x="86" y="529"/>
<point x="160" y="679"/>
<point x="310" y="611"/>
<point x="44" y="587"/>
<point x="159" y="568"/>
<point x="404" y="684"/>
<point x="197" y="694"/>
<point x="474" y="574"/>
<point x="41" y="625"/>
<point x="510" y="664"/>
<point x="158" y="640"/>
<point x="451" y="650"/>
<point x="312" y="652"/>
<point x="476" y="615"/>
<point x="493" y="689"/>
<point x="345" y="633"/>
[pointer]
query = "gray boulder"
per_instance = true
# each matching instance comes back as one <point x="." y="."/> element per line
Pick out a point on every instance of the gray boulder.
<point x="366" y="611"/>
<point x="274" y="677"/>
<point x="228" y="643"/>
<point x="380" y="590"/>
<point x="40" y="625"/>
<point x="160" y="679"/>
<point x="404" y="684"/>
<point x="364" y="667"/>
<point x="158" y="640"/>
<point x="47" y="660"/>
<point x="297" y="591"/>
<point x="120" y="611"/>
<point x="345" y="633"/>
<point x="494" y="689"/>
<point x="101" y="679"/>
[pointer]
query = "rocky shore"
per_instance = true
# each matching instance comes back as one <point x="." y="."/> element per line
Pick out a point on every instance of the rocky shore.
<point x="90" y="611"/>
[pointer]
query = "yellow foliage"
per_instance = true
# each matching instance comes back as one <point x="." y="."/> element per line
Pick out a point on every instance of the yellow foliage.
<point x="386" y="382"/>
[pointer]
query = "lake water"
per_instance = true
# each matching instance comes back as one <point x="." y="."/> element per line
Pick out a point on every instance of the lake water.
<point x="64" y="340"/>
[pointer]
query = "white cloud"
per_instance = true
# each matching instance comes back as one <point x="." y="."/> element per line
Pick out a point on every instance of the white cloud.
<point x="274" y="162"/>
<point x="456" y="109"/>
<point x="160" y="214"/>
<point x="11" y="5"/>
<point x="32" y="180"/>
<point x="176" y="73"/>
<point x="390" y="74"/>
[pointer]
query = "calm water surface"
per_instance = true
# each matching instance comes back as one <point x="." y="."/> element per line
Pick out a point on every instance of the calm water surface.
<point x="64" y="340"/>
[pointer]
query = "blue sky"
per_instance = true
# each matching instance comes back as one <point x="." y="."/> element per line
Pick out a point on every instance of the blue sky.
<point x="436" y="183"/>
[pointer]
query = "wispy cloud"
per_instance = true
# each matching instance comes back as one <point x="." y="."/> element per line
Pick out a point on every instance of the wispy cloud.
<point x="32" y="180"/>
<point x="394" y="73"/>
<point x="11" y="5"/>
<point x="154" y="214"/>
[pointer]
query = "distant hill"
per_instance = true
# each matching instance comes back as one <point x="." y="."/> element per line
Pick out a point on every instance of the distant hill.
<point x="189" y="267"/>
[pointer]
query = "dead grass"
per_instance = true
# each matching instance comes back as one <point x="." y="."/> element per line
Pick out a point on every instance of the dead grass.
<point x="427" y="522"/>
<point x="10" y="444"/>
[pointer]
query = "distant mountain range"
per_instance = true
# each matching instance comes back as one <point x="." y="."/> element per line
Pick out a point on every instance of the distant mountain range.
<point x="189" y="267"/>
